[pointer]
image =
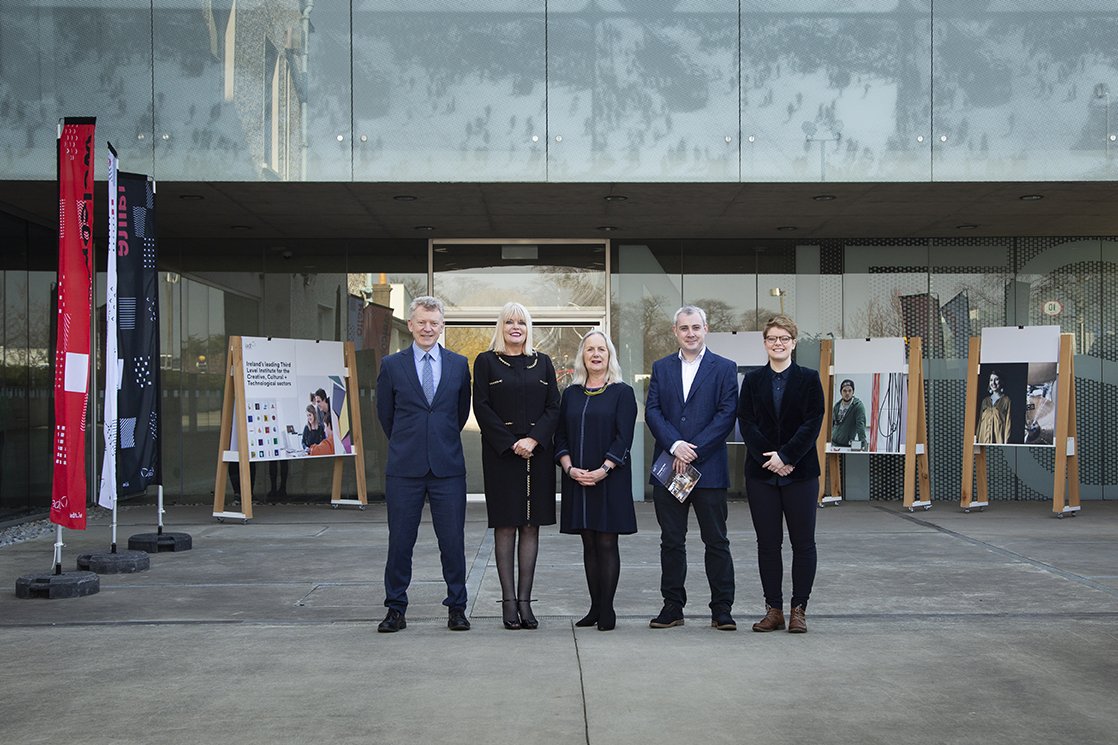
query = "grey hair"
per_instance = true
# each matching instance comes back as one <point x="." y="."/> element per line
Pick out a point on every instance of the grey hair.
<point x="613" y="369"/>
<point x="689" y="310"/>
<point x="427" y="302"/>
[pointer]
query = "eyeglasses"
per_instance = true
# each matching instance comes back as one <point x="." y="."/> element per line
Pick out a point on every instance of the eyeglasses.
<point x="775" y="339"/>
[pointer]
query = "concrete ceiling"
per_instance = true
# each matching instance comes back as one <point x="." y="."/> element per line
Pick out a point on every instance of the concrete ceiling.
<point x="226" y="215"/>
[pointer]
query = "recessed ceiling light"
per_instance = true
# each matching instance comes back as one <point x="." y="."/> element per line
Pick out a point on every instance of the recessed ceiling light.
<point x="1031" y="197"/>
<point x="424" y="227"/>
<point x="966" y="226"/>
<point x="240" y="227"/>
<point x="615" y="197"/>
<point x="405" y="198"/>
<point x="191" y="197"/>
<point x="786" y="227"/>
<point x="824" y="197"/>
<point x="607" y="228"/>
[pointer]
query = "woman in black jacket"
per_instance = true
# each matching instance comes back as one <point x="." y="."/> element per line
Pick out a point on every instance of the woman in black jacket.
<point x="781" y="411"/>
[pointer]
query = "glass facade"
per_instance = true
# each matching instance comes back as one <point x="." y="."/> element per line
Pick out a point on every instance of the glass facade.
<point x="569" y="90"/>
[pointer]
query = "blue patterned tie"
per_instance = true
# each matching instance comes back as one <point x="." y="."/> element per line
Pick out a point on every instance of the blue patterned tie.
<point x="428" y="378"/>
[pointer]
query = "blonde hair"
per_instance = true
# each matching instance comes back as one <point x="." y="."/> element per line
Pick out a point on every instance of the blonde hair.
<point x="613" y="370"/>
<point x="512" y="310"/>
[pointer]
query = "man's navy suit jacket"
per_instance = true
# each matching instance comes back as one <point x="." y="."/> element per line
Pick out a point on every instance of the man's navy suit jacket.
<point x="423" y="438"/>
<point x="705" y="420"/>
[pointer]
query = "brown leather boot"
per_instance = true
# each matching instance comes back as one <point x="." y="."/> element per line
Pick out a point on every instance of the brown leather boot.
<point x="797" y="622"/>
<point x="773" y="620"/>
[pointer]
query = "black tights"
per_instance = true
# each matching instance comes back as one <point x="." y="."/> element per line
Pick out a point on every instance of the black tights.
<point x="505" y="548"/>
<point x="602" y="561"/>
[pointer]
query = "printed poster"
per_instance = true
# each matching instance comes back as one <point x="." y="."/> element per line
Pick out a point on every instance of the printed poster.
<point x="869" y="413"/>
<point x="1017" y="386"/>
<point x="295" y="399"/>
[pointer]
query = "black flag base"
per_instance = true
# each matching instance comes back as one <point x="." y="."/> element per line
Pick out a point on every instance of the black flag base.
<point x="157" y="543"/>
<point x="120" y="562"/>
<point x="56" y="586"/>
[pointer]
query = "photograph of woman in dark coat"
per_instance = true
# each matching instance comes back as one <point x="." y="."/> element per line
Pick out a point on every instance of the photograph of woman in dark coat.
<point x="592" y="442"/>
<point x="516" y="402"/>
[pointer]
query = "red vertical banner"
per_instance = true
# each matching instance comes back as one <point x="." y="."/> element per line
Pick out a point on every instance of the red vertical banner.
<point x="75" y="300"/>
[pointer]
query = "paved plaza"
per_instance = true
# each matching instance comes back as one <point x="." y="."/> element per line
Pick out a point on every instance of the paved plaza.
<point x="932" y="627"/>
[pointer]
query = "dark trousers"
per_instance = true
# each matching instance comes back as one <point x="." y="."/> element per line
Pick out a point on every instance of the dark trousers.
<point x="771" y="506"/>
<point x="710" y="510"/>
<point x="404" y="497"/>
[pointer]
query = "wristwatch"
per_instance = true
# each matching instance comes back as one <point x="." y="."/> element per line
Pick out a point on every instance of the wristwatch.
<point x="607" y="468"/>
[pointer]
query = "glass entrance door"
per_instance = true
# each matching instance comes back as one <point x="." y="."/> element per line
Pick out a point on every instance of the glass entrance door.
<point x="559" y="341"/>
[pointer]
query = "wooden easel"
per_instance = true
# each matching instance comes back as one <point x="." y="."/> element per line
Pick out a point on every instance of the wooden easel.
<point x="1066" y="471"/>
<point x="831" y="462"/>
<point x="916" y="470"/>
<point x="233" y="413"/>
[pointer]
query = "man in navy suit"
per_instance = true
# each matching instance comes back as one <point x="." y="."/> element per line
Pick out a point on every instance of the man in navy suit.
<point x="691" y="408"/>
<point x="423" y="400"/>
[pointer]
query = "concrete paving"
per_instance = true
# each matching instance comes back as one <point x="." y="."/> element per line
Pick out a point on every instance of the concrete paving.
<point x="933" y="627"/>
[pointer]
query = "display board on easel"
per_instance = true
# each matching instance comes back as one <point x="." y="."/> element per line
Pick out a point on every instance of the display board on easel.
<point x="288" y="399"/>
<point x="1021" y="393"/>
<point x="874" y="405"/>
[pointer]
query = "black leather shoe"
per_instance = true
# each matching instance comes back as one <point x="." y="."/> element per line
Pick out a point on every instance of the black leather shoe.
<point x="670" y="615"/>
<point x="721" y="619"/>
<point x="393" y="621"/>
<point x="457" y="620"/>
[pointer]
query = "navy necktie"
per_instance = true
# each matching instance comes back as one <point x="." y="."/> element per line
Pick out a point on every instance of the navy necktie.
<point x="428" y="378"/>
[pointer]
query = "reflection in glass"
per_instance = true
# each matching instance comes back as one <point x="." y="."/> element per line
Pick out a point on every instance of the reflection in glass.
<point x="835" y="94"/>
<point x="643" y="90"/>
<point x="448" y="91"/>
<point x="542" y="277"/>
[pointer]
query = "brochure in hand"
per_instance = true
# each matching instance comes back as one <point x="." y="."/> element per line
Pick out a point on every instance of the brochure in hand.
<point x="679" y="485"/>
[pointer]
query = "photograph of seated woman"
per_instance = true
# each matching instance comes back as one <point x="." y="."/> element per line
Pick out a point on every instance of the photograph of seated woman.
<point x="848" y="421"/>
<point x="326" y="445"/>
<point x="312" y="432"/>
<point x="995" y="413"/>
<point x="592" y="442"/>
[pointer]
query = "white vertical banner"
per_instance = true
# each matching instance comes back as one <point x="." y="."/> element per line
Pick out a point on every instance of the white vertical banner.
<point x="107" y="491"/>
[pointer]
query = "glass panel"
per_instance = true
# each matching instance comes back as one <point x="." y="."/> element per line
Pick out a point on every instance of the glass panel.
<point x="74" y="59"/>
<point x="643" y="91"/>
<point x="559" y="342"/>
<point x="835" y="95"/>
<point x="544" y="277"/>
<point x="648" y="290"/>
<point x="1106" y="351"/>
<point x="230" y="96"/>
<point x="327" y="93"/>
<point x="446" y="91"/>
<point x="1023" y="90"/>
<point x="381" y="286"/>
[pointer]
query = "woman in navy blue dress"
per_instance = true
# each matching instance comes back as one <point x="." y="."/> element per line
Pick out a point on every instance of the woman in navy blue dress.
<point x="592" y="443"/>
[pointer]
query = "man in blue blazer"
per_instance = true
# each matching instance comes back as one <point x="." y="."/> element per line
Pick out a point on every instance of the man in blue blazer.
<point x="691" y="407"/>
<point x="423" y="400"/>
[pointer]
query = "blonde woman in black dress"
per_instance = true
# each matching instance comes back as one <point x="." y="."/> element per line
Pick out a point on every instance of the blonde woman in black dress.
<point x="516" y="402"/>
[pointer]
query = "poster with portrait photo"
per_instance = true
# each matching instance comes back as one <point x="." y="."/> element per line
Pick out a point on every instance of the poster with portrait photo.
<point x="295" y="399"/>
<point x="1001" y="403"/>
<point x="1017" y="386"/>
<point x="869" y="413"/>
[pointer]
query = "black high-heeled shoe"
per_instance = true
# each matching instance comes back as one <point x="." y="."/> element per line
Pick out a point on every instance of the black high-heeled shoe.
<point x="509" y="610"/>
<point x="527" y="619"/>
<point x="590" y="619"/>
